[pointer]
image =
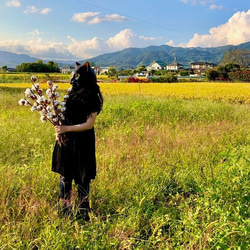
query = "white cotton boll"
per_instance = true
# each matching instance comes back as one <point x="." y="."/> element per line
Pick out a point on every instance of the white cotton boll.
<point x="26" y="103"/>
<point x="63" y="104"/>
<point x="50" y="115"/>
<point x="61" y="116"/>
<point x="57" y="95"/>
<point x="56" y="103"/>
<point x="63" y="109"/>
<point x="33" y="88"/>
<point x="41" y="99"/>
<point x="49" y="108"/>
<point x="48" y="92"/>
<point x="28" y="93"/>
<point x="43" y="118"/>
<point x="50" y="83"/>
<point x="54" y="88"/>
<point x="39" y="107"/>
<point x="43" y="112"/>
<point x="66" y="97"/>
<point x="69" y="89"/>
<point x="37" y="85"/>
<point x="22" y="102"/>
<point x="33" y="78"/>
<point x="33" y="108"/>
<point x="55" y="119"/>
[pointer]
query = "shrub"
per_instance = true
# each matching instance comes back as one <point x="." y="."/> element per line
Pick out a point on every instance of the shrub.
<point x="240" y="75"/>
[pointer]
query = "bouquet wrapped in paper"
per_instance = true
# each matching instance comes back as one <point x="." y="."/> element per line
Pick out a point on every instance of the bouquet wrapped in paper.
<point x="50" y="108"/>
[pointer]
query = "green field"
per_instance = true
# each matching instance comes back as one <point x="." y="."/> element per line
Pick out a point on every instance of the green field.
<point x="172" y="174"/>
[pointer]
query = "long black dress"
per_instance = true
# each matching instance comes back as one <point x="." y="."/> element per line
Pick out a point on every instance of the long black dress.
<point x="77" y="159"/>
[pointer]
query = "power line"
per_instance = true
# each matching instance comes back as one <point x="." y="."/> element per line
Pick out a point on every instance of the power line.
<point x="129" y="17"/>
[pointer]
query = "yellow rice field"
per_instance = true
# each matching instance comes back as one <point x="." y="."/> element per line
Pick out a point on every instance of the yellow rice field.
<point x="230" y="92"/>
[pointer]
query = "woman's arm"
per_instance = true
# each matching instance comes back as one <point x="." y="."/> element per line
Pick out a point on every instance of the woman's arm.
<point x="77" y="128"/>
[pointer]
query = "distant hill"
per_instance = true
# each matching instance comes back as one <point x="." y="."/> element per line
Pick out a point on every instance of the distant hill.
<point x="11" y="60"/>
<point x="133" y="57"/>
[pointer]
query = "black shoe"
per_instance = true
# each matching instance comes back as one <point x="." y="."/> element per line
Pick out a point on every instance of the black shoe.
<point x="83" y="214"/>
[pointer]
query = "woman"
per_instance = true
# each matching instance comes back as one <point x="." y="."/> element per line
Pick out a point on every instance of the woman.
<point x="76" y="159"/>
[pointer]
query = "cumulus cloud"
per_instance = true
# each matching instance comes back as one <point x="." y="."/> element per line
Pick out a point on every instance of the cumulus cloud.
<point x="234" y="32"/>
<point x="114" y="18"/>
<point x="13" y="3"/>
<point x="84" y="16"/>
<point x="33" y="9"/>
<point x="45" y="11"/>
<point x="75" y="50"/>
<point x="216" y="7"/>
<point x="93" y="18"/>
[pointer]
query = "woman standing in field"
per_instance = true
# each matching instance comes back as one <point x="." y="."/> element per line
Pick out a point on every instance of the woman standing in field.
<point x="76" y="159"/>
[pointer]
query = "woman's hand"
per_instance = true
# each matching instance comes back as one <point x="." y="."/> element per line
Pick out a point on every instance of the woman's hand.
<point x="60" y="129"/>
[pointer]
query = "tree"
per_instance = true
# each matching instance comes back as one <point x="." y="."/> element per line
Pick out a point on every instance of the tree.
<point x="141" y="68"/>
<point x="212" y="74"/>
<point x="240" y="57"/>
<point x="112" y="71"/>
<point x="4" y="69"/>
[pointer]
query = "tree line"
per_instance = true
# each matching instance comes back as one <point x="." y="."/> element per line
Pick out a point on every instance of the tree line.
<point x="38" y="66"/>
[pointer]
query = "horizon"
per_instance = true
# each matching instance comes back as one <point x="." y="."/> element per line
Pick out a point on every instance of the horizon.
<point x="81" y="29"/>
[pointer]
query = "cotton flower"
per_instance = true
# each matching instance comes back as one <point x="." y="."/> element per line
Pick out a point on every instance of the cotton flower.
<point x="50" y="83"/>
<point x="56" y="103"/>
<point x="63" y="104"/>
<point x="37" y="85"/>
<point x="55" y="119"/>
<point x="28" y="93"/>
<point x="69" y="89"/>
<point x="55" y="87"/>
<point x="43" y="118"/>
<point x="41" y="99"/>
<point x="49" y="108"/>
<point x="66" y="97"/>
<point x="33" y="78"/>
<point x="50" y="115"/>
<point x="57" y="95"/>
<point x="33" y="108"/>
<point x="22" y="102"/>
<point x="63" y="109"/>
<point x="39" y="107"/>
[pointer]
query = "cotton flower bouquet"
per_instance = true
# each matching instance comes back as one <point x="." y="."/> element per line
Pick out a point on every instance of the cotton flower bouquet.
<point x="50" y="108"/>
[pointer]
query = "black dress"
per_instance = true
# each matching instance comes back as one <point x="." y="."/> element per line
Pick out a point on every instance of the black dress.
<point x="77" y="159"/>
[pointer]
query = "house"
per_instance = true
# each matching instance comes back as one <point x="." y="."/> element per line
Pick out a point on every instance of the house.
<point x="201" y="67"/>
<point x="174" y="66"/>
<point x="100" y="70"/>
<point x="66" y="70"/>
<point x="156" y="65"/>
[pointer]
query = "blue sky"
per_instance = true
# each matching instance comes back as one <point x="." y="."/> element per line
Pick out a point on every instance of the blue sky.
<point x="79" y="29"/>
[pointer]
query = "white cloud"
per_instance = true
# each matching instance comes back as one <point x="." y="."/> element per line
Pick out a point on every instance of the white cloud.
<point x="31" y="9"/>
<point x="216" y="7"/>
<point x="234" y="32"/>
<point x="114" y="18"/>
<point x="195" y="2"/>
<point x="45" y="11"/>
<point x="37" y="47"/>
<point x="13" y="3"/>
<point x="84" y="16"/>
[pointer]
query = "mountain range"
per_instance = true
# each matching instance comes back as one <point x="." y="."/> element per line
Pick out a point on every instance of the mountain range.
<point x="133" y="57"/>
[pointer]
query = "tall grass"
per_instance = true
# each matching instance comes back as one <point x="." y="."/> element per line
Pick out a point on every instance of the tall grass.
<point x="172" y="174"/>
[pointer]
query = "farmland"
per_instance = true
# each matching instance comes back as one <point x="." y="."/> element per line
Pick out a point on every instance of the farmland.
<point x="173" y="170"/>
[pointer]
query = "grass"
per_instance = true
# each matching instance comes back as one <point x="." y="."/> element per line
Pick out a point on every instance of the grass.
<point x="173" y="173"/>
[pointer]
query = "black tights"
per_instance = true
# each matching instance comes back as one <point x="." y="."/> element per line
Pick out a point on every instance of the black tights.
<point x="82" y="189"/>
